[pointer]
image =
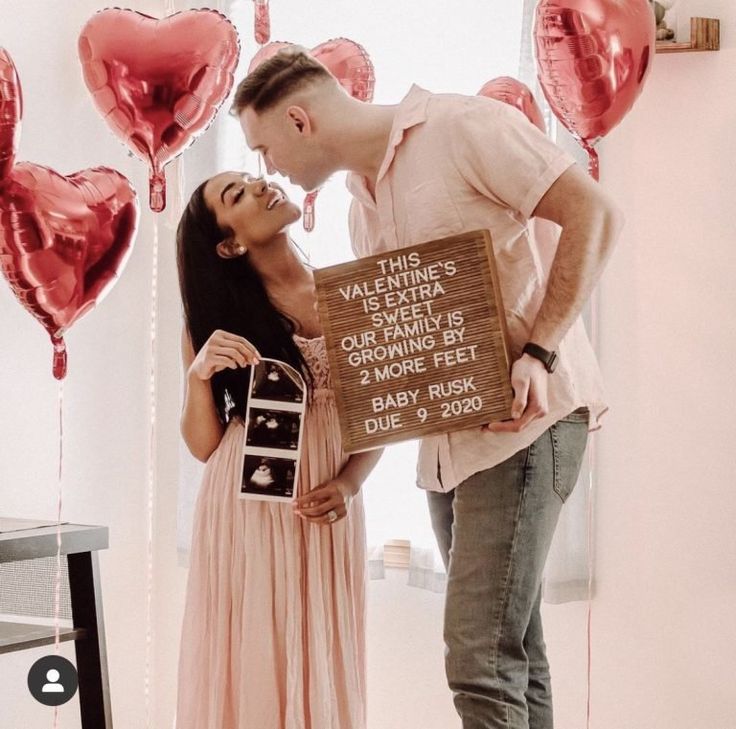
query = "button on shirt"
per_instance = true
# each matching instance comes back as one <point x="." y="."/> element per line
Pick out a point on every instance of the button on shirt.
<point x="459" y="163"/>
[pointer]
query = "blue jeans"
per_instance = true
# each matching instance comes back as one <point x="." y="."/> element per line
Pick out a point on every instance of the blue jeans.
<point x="494" y="531"/>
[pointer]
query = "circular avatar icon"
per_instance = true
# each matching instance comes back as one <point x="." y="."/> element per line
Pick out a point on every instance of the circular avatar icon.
<point x="52" y="680"/>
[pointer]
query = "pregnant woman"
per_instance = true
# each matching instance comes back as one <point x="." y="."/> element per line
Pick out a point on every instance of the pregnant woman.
<point x="274" y="625"/>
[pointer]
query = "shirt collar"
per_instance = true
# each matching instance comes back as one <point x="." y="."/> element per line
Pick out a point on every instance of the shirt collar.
<point x="411" y="111"/>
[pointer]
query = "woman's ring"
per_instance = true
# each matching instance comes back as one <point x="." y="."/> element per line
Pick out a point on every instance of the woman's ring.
<point x="332" y="515"/>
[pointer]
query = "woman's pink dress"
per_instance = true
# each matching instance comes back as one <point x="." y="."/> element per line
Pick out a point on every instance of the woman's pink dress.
<point x="274" y="624"/>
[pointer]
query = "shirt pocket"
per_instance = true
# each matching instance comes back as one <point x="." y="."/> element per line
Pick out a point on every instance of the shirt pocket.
<point x="431" y="213"/>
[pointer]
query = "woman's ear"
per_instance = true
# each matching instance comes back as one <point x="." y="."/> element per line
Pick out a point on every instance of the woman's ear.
<point x="230" y="248"/>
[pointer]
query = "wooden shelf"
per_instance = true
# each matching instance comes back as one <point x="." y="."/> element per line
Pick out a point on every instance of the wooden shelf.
<point x="20" y="636"/>
<point x="705" y="35"/>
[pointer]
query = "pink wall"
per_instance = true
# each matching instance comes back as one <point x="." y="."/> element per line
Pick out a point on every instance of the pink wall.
<point x="664" y="642"/>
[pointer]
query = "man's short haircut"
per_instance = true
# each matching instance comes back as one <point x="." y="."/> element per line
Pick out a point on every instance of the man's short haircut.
<point x="287" y="71"/>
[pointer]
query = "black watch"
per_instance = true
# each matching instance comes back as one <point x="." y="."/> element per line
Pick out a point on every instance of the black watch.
<point x="547" y="358"/>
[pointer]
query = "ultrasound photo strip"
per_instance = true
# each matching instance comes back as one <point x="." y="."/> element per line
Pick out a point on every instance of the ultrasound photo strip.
<point x="274" y="422"/>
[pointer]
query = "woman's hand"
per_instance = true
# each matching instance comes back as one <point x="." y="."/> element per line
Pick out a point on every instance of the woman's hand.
<point x="223" y="351"/>
<point x="334" y="495"/>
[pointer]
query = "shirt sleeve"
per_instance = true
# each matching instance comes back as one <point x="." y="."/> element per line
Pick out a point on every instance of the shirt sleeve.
<point x="500" y="153"/>
<point x="356" y="229"/>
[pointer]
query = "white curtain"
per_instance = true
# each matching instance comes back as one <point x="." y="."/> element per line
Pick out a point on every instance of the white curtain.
<point x="209" y="155"/>
<point x="567" y="569"/>
<point x="441" y="56"/>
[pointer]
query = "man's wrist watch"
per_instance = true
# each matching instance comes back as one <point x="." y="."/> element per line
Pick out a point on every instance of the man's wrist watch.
<point x="547" y="358"/>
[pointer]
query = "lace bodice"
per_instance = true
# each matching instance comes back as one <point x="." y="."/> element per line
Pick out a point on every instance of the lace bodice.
<point x="315" y="353"/>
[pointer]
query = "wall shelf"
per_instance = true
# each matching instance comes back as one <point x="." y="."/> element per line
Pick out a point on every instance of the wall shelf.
<point x="705" y="35"/>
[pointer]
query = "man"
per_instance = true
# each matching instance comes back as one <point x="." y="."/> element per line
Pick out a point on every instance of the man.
<point x="429" y="167"/>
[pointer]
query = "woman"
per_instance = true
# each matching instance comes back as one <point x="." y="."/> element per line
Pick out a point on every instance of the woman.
<point x="274" y="626"/>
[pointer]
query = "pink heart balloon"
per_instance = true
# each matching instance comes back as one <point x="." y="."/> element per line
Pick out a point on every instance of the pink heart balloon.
<point x="261" y="22"/>
<point x="515" y="93"/>
<point x="63" y="240"/>
<point x="12" y="110"/>
<point x="266" y="52"/>
<point x="346" y="60"/>
<point x="158" y="83"/>
<point x="350" y="64"/>
<point x="593" y="57"/>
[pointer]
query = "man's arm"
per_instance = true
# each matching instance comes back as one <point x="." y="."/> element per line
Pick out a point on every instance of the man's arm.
<point x="590" y="225"/>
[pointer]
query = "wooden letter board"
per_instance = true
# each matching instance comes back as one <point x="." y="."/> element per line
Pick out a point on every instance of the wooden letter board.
<point x="416" y="341"/>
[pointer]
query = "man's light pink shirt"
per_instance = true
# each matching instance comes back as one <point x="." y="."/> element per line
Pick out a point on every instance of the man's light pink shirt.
<point x="459" y="163"/>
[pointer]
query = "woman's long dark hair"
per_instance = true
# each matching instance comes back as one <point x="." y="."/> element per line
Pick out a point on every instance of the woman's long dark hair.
<point x="228" y="294"/>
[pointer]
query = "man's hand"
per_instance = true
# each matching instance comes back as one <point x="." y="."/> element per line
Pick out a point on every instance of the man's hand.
<point x="529" y="381"/>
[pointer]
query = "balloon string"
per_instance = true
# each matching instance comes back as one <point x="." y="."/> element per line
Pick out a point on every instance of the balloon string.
<point x="176" y="207"/>
<point x="169" y="9"/>
<point x="175" y="212"/>
<point x="591" y="461"/>
<point x="57" y="585"/>
<point x="151" y="475"/>
<point x="591" y="483"/>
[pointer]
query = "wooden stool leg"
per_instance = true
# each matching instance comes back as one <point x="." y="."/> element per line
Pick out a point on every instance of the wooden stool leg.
<point x="86" y="598"/>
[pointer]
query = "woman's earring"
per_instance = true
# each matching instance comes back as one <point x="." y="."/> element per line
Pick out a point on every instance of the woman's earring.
<point x="230" y="248"/>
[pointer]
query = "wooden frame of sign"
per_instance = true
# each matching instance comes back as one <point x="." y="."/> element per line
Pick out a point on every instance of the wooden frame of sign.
<point x="416" y="340"/>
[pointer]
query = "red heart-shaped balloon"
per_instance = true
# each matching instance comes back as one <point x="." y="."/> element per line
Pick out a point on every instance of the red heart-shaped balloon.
<point x="261" y="22"/>
<point x="349" y="63"/>
<point x="11" y="110"/>
<point x="515" y="93"/>
<point x="345" y="59"/>
<point x="158" y="83"/>
<point x="63" y="240"/>
<point x="593" y="57"/>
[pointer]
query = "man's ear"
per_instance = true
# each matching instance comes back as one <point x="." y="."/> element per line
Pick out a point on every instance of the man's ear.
<point x="230" y="248"/>
<point x="299" y="118"/>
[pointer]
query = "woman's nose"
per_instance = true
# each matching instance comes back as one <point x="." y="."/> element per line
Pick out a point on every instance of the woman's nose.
<point x="259" y="186"/>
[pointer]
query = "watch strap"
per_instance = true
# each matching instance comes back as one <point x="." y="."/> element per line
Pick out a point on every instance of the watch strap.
<point x="547" y="358"/>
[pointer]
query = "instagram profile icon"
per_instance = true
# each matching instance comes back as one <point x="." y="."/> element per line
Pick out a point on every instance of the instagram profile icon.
<point x="52" y="680"/>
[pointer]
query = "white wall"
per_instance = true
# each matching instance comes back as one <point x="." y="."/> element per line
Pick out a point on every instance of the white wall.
<point x="663" y="637"/>
<point x="106" y="404"/>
